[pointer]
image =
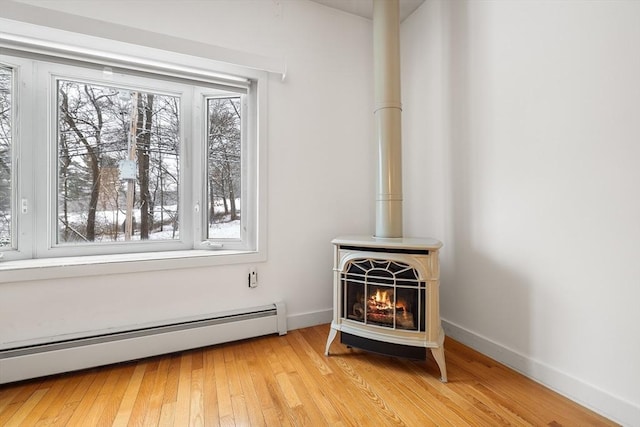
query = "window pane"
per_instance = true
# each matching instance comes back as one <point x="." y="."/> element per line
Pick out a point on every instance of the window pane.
<point x="224" y="167"/>
<point x="6" y="197"/>
<point x="118" y="164"/>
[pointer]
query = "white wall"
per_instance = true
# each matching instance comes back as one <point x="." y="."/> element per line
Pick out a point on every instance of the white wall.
<point x="320" y="124"/>
<point x="423" y="117"/>
<point x="539" y="145"/>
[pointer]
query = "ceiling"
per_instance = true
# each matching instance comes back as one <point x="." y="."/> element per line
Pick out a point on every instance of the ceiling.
<point x="364" y="8"/>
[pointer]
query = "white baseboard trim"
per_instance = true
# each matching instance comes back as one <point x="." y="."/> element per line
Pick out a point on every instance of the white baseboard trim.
<point x="22" y="363"/>
<point x="306" y="320"/>
<point x="588" y="395"/>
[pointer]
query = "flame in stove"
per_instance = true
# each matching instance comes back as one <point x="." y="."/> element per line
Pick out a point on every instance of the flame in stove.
<point x="382" y="297"/>
<point x="382" y="300"/>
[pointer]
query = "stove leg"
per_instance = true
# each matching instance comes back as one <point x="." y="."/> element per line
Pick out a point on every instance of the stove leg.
<point x="332" y="336"/>
<point x="438" y="355"/>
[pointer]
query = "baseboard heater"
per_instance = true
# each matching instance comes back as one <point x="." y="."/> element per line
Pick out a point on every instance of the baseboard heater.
<point x="33" y="361"/>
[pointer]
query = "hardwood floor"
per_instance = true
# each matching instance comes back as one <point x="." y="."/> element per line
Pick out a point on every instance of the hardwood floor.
<point x="287" y="381"/>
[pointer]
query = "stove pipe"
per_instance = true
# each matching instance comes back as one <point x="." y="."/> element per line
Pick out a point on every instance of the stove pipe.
<point x="387" y="112"/>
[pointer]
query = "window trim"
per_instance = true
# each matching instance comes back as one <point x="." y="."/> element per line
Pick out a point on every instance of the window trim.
<point x="71" y="266"/>
<point x="99" y="265"/>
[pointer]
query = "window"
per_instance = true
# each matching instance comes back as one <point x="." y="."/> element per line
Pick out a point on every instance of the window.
<point x="224" y="167"/>
<point x="126" y="160"/>
<point x="118" y="163"/>
<point x="6" y="138"/>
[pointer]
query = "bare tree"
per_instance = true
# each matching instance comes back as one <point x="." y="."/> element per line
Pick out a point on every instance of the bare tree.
<point x="72" y="118"/>
<point x="143" y="152"/>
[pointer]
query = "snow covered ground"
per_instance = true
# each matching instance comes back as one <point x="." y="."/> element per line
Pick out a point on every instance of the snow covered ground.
<point x="106" y="232"/>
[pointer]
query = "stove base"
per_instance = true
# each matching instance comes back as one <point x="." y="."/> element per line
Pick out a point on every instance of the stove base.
<point x="384" y="348"/>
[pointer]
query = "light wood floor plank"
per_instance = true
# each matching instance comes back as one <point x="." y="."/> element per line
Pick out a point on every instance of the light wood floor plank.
<point x="96" y="408"/>
<point x="335" y="410"/>
<point x="210" y="402"/>
<point x="129" y="397"/>
<point x="115" y="398"/>
<point x="167" y="415"/>
<point x="261" y="383"/>
<point x="55" y="388"/>
<point x="183" y="397"/>
<point x="16" y="400"/>
<point x="240" y="412"/>
<point x="59" y="412"/>
<point x="243" y="352"/>
<point x="196" y="411"/>
<point x="7" y="398"/>
<point x="264" y="377"/>
<point x="225" y="407"/>
<point x="141" y="404"/>
<point x="88" y="399"/>
<point x="26" y="408"/>
<point x="288" y="381"/>
<point x="307" y="406"/>
<point x="293" y="408"/>
<point x="258" y="379"/>
<point x="156" y="395"/>
<point x="319" y="406"/>
<point x="173" y="379"/>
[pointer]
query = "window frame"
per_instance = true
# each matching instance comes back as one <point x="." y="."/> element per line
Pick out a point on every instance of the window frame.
<point x="57" y="72"/>
<point x="195" y="249"/>
<point x="22" y="171"/>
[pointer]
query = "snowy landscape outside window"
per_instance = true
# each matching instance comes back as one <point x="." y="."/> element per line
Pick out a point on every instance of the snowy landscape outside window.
<point x="118" y="164"/>
<point x="224" y="168"/>
<point x="6" y="129"/>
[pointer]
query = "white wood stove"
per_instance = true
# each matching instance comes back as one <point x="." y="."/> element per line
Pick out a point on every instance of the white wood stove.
<point x="386" y="288"/>
<point x="386" y="297"/>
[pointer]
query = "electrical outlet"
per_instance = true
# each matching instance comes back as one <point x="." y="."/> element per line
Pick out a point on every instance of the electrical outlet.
<point x="253" y="277"/>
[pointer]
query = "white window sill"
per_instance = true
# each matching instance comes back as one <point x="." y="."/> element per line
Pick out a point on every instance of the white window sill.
<point x="98" y="265"/>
